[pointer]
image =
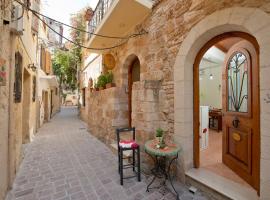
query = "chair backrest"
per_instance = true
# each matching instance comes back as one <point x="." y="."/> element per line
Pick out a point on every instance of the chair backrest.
<point x="120" y="131"/>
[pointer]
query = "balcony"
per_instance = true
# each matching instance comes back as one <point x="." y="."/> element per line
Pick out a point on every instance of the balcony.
<point x="116" y="18"/>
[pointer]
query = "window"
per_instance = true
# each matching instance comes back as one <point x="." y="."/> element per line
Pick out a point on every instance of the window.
<point x="34" y="89"/>
<point x="42" y="58"/>
<point x="238" y="83"/>
<point x="18" y="78"/>
<point x="83" y="97"/>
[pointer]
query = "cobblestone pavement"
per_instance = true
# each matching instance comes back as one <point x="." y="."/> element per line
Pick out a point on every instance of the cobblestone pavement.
<point x="65" y="162"/>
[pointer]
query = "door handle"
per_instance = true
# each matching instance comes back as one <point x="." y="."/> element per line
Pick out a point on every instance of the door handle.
<point x="235" y="122"/>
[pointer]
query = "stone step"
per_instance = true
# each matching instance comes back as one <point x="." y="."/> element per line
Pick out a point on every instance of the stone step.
<point x="217" y="187"/>
<point x="213" y="194"/>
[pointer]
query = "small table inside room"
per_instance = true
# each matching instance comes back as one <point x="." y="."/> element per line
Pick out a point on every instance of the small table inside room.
<point x="163" y="159"/>
<point x="215" y="119"/>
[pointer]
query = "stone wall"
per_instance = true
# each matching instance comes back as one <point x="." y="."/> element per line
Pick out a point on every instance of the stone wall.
<point x="4" y="108"/>
<point x="107" y="110"/>
<point x="168" y="25"/>
<point x="56" y="101"/>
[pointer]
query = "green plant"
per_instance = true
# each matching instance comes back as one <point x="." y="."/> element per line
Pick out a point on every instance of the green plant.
<point x="159" y="132"/>
<point x="102" y="80"/>
<point x="109" y="77"/>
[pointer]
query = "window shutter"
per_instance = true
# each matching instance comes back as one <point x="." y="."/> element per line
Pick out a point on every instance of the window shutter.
<point x="35" y="20"/>
<point x="48" y="63"/>
<point x="18" y="78"/>
<point x="43" y="59"/>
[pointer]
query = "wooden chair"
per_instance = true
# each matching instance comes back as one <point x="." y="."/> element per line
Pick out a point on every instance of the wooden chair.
<point x="128" y="145"/>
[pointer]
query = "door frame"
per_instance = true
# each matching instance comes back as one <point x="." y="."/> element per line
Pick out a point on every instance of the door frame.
<point x="196" y="98"/>
<point x="130" y="83"/>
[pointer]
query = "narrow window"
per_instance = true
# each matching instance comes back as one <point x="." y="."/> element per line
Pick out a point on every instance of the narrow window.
<point x="18" y="78"/>
<point x="83" y="97"/>
<point x="34" y="89"/>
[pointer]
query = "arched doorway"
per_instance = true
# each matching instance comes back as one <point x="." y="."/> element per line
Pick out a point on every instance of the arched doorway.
<point x="219" y="22"/>
<point x="226" y="112"/>
<point x="133" y="76"/>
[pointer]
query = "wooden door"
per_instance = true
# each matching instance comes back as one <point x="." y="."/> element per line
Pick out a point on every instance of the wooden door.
<point x="241" y="140"/>
<point x="133" y="76"/>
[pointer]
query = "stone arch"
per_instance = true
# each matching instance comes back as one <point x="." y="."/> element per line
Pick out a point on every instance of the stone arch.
<point x="127" y="63"/>
<point x="127" y="77"/>
<point x="226" y="20"/>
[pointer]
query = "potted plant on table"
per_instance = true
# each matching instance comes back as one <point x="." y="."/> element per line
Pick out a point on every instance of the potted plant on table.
<point x="160" y="138"/>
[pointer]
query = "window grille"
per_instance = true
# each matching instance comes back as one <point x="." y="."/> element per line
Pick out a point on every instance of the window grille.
<point x="18" y="78"/>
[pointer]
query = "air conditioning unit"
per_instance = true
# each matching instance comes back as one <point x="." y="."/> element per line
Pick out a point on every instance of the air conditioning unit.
<point x="17" y="20"/>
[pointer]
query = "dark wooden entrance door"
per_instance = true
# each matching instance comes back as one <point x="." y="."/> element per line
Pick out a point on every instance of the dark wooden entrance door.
<point x="133" y="76"/>
<point x="240" y="91"/>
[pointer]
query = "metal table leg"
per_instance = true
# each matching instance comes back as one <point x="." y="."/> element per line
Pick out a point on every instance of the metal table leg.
<point x="159" y="171"/>
<point x="169" y="168"/>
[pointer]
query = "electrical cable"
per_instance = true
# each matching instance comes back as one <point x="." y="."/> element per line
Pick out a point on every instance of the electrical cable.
<point x="77" y="44"/>
<point x="81" y="30"/>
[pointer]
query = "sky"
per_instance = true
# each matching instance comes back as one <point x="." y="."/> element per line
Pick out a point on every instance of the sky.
<point x="61" y="10"/>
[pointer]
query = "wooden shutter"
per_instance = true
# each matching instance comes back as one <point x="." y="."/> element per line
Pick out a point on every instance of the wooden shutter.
<point x="48" y="63"/>
<point x="43" y="59"/>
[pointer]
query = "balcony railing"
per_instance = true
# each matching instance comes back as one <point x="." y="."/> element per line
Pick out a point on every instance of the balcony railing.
<point x="102" y="8"/>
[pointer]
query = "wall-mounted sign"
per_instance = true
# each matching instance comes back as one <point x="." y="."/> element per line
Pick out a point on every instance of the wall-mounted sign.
<point x="108" y="61"/>
<point x="3" y="72"/>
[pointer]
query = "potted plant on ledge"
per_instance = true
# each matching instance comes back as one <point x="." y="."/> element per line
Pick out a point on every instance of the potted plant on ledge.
<point x="101" y="83"/>
<point x="109" y="80"/>
<point x="96" y="87"/>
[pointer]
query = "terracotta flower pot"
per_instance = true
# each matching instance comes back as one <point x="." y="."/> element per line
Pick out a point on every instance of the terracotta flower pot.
<point x="109" y="85"/>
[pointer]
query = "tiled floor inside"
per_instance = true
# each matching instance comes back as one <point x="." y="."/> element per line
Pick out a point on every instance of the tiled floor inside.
<point x="65" y="162"/>
<point x="211" y="159"/>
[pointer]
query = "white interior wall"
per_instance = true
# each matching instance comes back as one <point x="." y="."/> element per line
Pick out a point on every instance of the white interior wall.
<point x="211" y="90"/>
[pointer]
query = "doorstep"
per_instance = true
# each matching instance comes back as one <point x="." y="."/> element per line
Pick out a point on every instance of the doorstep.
<point x="222" y="185"/>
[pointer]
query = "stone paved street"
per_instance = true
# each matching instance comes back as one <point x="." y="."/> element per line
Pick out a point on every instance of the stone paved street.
<point x="65" y="162"/>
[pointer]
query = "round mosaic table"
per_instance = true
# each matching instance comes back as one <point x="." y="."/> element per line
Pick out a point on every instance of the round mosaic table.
<point x="161" y="156"/>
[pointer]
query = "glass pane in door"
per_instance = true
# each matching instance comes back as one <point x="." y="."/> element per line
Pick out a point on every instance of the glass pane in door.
<point x="238" y="83"/>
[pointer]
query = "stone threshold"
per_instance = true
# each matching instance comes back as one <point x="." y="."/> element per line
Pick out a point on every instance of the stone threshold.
<point x="221" y="186"/>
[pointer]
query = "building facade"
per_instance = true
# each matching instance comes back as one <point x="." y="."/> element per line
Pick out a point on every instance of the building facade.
<point x="157" y="76"/>
<point x="20" y="83"/>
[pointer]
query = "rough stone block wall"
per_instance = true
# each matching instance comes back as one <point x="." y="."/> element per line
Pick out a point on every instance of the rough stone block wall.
<point x="107" y="110"/>
<point x="168" y="25"/>
<point x="4" y="112"/>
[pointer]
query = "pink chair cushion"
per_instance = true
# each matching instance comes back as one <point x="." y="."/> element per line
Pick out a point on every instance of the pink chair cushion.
<point x="128" y="144"/>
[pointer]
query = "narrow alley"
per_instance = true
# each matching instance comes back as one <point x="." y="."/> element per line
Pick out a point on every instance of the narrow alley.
<point x="65" y="162"/>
